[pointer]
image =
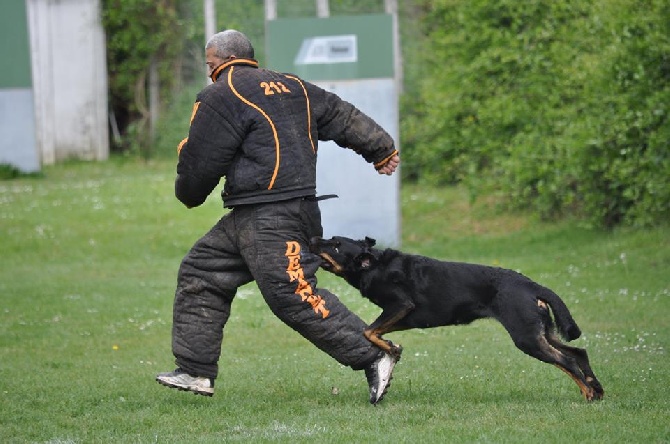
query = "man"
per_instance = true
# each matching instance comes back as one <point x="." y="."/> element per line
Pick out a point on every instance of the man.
<point x="259" y="130"/>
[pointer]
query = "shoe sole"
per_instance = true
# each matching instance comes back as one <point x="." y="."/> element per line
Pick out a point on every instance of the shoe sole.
<point x="184" y="388"/>
<point x="388" y="384"/>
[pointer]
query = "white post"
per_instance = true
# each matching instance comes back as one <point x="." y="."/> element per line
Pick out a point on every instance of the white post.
<point x="270" y="10"/>
<point x="322" y="8"/>
<point x="210" y="26"/>
<point x="391" y="7"/>
<point x="210" y="19"/>
<point x="154" y="97"/>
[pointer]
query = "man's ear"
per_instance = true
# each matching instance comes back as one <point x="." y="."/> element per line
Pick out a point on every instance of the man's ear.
<point x="370" y="242"/>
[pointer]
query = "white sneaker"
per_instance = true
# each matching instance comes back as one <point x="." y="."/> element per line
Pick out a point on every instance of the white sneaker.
<point x="181" y="380"/>
<point x="379" y="375"/>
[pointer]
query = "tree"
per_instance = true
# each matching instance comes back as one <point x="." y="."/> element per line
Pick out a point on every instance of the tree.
<point x="139" y="32"/>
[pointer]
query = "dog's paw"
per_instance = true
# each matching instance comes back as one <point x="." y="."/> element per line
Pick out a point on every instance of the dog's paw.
<point x="395" y="351"/>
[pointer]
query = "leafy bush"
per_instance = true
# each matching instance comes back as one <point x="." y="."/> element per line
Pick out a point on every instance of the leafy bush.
<point x="626" y="168"/>
<point x="560" y="106"/>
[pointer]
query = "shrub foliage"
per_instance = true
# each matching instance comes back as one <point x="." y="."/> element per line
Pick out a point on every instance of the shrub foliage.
<point x="562" y="107"/>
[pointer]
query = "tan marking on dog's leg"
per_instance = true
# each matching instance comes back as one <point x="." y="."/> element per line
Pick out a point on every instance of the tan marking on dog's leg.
<point x="587" y="391"/>
<point x="377" y="340"/>
<point x="550" y="348"/>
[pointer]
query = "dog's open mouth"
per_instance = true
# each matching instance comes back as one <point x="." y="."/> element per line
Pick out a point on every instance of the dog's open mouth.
<point x="329" y="263"/>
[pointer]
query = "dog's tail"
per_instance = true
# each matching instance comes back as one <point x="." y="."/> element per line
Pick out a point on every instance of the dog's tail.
<point x="567" y="326"/>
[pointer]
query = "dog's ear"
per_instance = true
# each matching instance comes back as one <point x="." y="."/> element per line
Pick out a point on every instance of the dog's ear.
<point x="365" y="260"/>
<point x="370" y="242"/>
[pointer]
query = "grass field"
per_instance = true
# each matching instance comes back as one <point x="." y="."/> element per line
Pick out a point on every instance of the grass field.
<point x="89" y="259"/>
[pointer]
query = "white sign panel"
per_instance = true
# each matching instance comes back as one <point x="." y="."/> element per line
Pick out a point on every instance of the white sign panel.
<point x="327" y="50"/>
<point x="368" y="203"/>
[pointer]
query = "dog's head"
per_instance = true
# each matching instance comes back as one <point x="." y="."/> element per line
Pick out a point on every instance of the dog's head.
<point x="343" y="256"/>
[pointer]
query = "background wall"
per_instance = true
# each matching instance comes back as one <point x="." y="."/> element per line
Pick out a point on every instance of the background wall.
<point x="17" y="121"/>
<point x="69" y="78"/>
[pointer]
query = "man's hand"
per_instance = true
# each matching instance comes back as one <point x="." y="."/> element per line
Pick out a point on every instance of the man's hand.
<point x="390" y="166"/>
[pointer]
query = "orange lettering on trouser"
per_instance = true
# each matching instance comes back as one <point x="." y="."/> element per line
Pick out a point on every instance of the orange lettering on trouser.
<point x="304" y="289"/>
<point x="319" y="305"/>
<point x="292" y="248"/>
<point x="295" y="274"/>
<point x="293" y="263"/>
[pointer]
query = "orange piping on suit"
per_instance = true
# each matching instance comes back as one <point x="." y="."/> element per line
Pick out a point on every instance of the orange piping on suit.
<point x="272" y="125"/>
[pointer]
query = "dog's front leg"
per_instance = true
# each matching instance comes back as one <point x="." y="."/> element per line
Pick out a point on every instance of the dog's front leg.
<point x="389" y="347"/>
<point x="386" y="323"/>
<point x="396" y="349"/>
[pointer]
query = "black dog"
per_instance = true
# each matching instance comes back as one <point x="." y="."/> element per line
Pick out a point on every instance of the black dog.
<point x="420" y="292"/>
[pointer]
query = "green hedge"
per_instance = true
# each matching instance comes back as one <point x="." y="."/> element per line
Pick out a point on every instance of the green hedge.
<point x="562" y="107"/>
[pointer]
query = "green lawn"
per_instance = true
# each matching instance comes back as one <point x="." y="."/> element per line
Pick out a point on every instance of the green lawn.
<point x="89" y="260"/>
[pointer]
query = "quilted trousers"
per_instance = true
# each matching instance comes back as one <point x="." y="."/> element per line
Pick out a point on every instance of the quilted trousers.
<point x="267" y="243"/>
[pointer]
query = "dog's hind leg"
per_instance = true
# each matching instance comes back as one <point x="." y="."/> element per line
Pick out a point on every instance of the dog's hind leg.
<point x="540" y="348"/>
<point x="529" y="327"/>
<point x="582" y="359"/>
<point x="570" y="366"/>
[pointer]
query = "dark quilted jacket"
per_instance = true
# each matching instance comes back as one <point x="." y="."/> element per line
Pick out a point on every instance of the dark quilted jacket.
<point x="259" y="129"/>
